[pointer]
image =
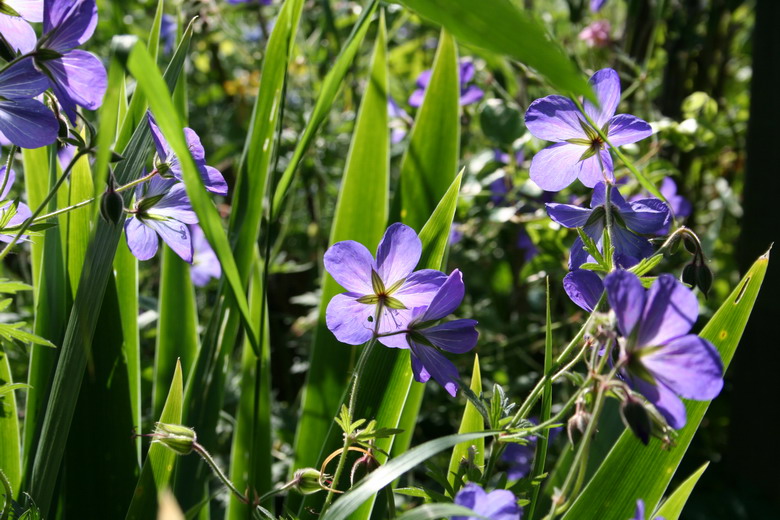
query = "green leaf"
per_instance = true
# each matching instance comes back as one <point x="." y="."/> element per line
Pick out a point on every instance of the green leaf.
<point x="10" y="455"/>
<point x="159" y="462"/>
<point x="472" y="421"/>
<point x="611" y="496"/>
<point x="78" y="221"/>
<point x="328" y="91"/>
<point x="501" y="27"/>
<point x="350" y="501"/>
<point x="435" y="511"/>
<point x="673" y="506"/>
<point x="13" y="287"/>
<point x="431" y="160"/>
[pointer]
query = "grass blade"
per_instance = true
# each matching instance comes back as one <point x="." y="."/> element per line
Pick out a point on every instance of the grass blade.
<point x="673" y="506"/>
<point x="472" y="421"/>
<point x="11" y="454"/>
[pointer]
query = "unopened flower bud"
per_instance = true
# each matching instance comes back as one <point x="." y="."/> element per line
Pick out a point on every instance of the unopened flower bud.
<point x="635" y="417"/>
<point x="307" y="481"/>
<point x="697" y="274"/>
<point x="175" y="437"/>
<point x="112" y="206"/>
<point x="362" y="467"/>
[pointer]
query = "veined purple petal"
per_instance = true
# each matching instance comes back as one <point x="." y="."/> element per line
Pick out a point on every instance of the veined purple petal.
<point x="350" y="264"/>
<point x="420" y="287"/>
<point x="398" y="253"/>
<point x="606" y="85"/>
<point x="554" y="118"/>
<point x="567" y="215"/>
<point x="160" y="144"/>
<point x="500" y="504"/>
<point x="205" y="264"/>
<point x="421" y="375"/>
<point x="31" y="10"/>
<point x="27" y="123"/>
<point x="349" y="320"/>
<point x="626" y="297"/>
<point x="555" y="167"/>
<point x="79" y="78"/>
<point x="22" y="213"/>
<point x="647" y="216"/>
<point x="599" y="195"/>
<point x="630" y="248"/>
<point x="663" y="398"/>
<point x="578" y="255"/>
<point x="670" y="312"/>
<point x="175" y="205"/>
<point x="470" y="94"/>
<point x="174" y="233"/>
<point x="19" y="34"/>
<point x="22" y="80"/>
<point x="584" y="288"/>
<point x="689" y="365"/>
<point x="141" y="239"/>
<point x="8" y="179"/>
<point x="438" y="366"/>
<point x="592" y="171"/>
<point x="213" y="180"/>
<point x="457" y="336"/>
<point x="626" y="129"/>
<point x="68" y="23"/>
<point x="447" y="298"/>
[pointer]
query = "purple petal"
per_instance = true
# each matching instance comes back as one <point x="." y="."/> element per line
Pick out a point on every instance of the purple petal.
<point x="438" y="366"/>
<point x="596" y="5"/>
<point x="19" y="34"/>
<point x="630" y="248"/>
<point x="447" y="298"/>
<point x="688" y="365"/>
<point x="68" y="23"/>
<point x="80" y="79"/>
<point x="205" y="264"/>
<point x="416" y="99"/>
<point x="470" y="94"/>
<point x="160" y="143"/>
<point x="640" y="505"/>
<point x="626" y="296"/>
<point x="500" y="504"/>
<point x="27" y="123"/>
<point x="214" y="180"/>
<point x="175" y="205"/>
<point x="606" y="85"/>
<point x="626" y="129"/>
<point x="398" y="253"/>
<point x="679" y="204"/>
<point x="423" y="79"/>
<point x="567" y="215"/>
<point x="31" y="10"/>
<point x="8" y="180"/>
<point x="457" y="336"/>
<point x="174" y="233"/>
<point x="647" y="216"/>
<point x="592" y="171"/>
<point x="350" y="264"/>
<point x="394" y="111"/>
<point x="421" y="375"/>
<point x="141" y="240"/>
<point x="578" y="255"/>
<point x="520" y="457"/>
<point x="670" y="312"/>
<point x="555" y="167"/>
<point x="349" y="320"/>
<point x="22" y="80"/>
<point x="599" y="195"/>
<point x="420" y="287"/>
<point x="663" y="398"/>
<point x="584" y="288"/>
<point x="466" y="71"/>
<point x="22" y="214"/>
<point x="469" y="496"/>
<point x="554" y="118"/>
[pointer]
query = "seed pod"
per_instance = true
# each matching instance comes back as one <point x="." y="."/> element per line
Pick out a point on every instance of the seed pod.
<point x="307" y="481"/>
<point x="175" y="437"/>
<point x="635" y="416"/>
<point x="112" y="206"/>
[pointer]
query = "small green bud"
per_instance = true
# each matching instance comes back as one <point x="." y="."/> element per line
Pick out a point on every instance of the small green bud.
<point x="635" y="416"/>
<point x="175" y="437"/>
<point x="112" y="207"/>
<point x="307" y="481"/>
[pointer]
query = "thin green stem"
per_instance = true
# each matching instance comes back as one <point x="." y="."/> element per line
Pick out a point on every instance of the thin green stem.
<point x="205" y="455"/>
<point x="8" y="168"/>
<point x="9" y="493"/>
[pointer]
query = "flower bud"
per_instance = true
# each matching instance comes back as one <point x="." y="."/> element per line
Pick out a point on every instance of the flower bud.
<point x="307" y="481"/>
<point x="635" y="417"/>
<point x="112" y="206"/>
<point x="175" y="437"/>
<point x="363" y="466"/>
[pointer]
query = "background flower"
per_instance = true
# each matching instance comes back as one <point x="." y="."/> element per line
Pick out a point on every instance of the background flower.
<point x="500" y="504"/>
<point x="468" y="93"/>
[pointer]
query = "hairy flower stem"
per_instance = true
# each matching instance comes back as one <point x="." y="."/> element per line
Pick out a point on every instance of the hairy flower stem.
<point x="205" y="455"/>
<point x="352" y="398"/>
<point x="608" y="224"/>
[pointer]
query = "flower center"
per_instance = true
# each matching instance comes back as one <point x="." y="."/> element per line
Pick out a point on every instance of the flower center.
<point x="382" y="296"/>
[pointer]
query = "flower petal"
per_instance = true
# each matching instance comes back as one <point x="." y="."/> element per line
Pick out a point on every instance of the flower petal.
<point x="626" y="296"/>
<point x="349" y="320"/>
<point x="606" y="85"/>
<point x="554" y="118"/>
<point x="457" y="336"/>
<point x="438" y="366"/>
<point x="626" y="129"/>
<point x="670" y="312"/>
<point x="174" y="233"/>
<point x="630" y="248"/>
<point x="79" y="79"/>
<point x="420" y="287"/>
<point x="578" y="255"/>
<point x="350" y="264"/>
<point x="470" y="94"/>
<point x="214" y="180"/>
<point x="398" y="253"/>
<point x="175" y="205"/>
<point x="7" y="181"/>
<point x="141" y="240"/>
<point x="27" y="123"/>
<point x="567" y="215"/>
<point x="19" y="34"/>
<point x="160" y="143"/>
<point x="205" y="264"/>
<point x="584" y="288"/>
<point x="592" y="171"/>
<point x="417" y="97"/>
<point x="68" y="23"/>
<point x="421" y="375"/>
<point x="500" y="504"/>
<point x="664" y="400"/>
<point x="555" y="167"/>
<point x="31" y="10"/>
<point x="688" y="365"/>
<point x="466" y="67"/>
<point x="647" y="217"/>
<point x="447" y="298"/>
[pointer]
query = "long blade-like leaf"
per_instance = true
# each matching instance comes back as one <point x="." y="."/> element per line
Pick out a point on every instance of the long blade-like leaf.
<point x="673" y="506"/>
<point x="11" y="454"/>
<point x="471" y="421"/>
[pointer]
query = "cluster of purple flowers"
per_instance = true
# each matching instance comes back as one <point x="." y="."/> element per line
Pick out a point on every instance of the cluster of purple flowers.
<point x="388" y="300"/>
<point x="76" y="77"/>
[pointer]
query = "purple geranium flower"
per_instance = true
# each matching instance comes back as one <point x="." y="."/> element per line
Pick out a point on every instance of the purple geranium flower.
<point x="22" y="210"/>
<point x="15" y="29"/>
<point x="584" y="288"/>
<point x="400" y="122"/>
<point x="426" y="341"/>
<point x="168" y="28"/>
<point x="681" y="207"/>
<point x="161" y="208"/>
<point x="500" y="504"/>
<point x="168" y="164"/>
<point x="631" y="219"/>
<point x="659" y="358"/>
<point x="468" y="93"/>
<point x="640" y="511"/>
<point x="384" y="289"/>
<point x="579" y="150"/>
<point x="24" y="121"/>
<point x="77" y="77"/>
<point x="205" y="264"/>
<point x="596" y="5"/>
<point x="520" y="456"/>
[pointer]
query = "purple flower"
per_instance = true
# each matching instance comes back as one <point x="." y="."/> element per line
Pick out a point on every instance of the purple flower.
<point x="631" y="219"/>
<point x="414" y="331"/>
<point x="500" y="504"/>
<point x="659" y="358"/>
<point x="384" y="289"/>
<point x="22" y="212"/>
<point x="161" y="208"/>
<point x="17" y="33"/>
<point x="584" y="288"/>
<point x="168" y="27"/>
<point x="468" y="93"/>
<point x="168" y="164"/>
<point x="520" y="456"/>
<point x="640" y="511"/>
<point x="596" y="5"/>
<point x="456" y="233"/>
<point x="24" y="121"/>
<point x="205" y="264"/>
<point x="400" y="122"/>
<point x="579" y="150"/>
<point x="526" y="244"/>
<point x="77" y="77"/>
<point x="681" y="207"/>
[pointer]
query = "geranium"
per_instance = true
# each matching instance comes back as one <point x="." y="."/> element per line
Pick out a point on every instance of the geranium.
<point x="584" y="288"/>
<point x="468" y="93"/>
<point x="20" y="213"/>
<point x="640" y="511"/>
<point x="205" y="264"/>
<point x="579" y="151"/>
<point x="500" y="504"/>
<point x="24" y="121"/>
<point x="658" y="356"/>
<point x="14" y="26"/>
